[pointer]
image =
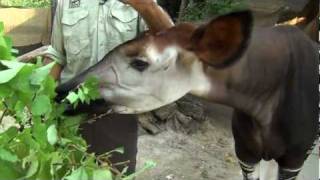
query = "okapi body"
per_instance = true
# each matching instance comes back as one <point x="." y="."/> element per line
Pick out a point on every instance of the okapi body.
<point x="269" y="76"/>
<point x="276" y="100"/>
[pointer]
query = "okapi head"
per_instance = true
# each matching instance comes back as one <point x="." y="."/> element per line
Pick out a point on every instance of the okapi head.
<point x="158" y="68"/>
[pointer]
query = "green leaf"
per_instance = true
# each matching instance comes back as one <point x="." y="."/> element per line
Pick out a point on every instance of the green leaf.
<point x="5" y="90"/>
<point x="92" y="85"/>
<point x="40" y="74"/>
<point x="44" y="169"/>
<point x="33" y="168"/>
<point x="88" y="91"/>
<point x="14" y="68"/>
<point x="8" y="171"/>
<point x="70" y="125"/>
<point x="5" y="48"/>
<point x="48" y="87"/>
<point x="78" y="174"/>
<point x="32" y="163"/>
<point x="7" y="155"/>
<point x="21" y="81"/>
<point x="1" y="28"/>
<point x="21" y="115"/>
<point x="52" y="134"/>
<point x="30" y="137"/>
<point x="8" y="74"/>
<point x="9" y="43"/>
<point x="13" y="64"/>
<point x="41" y="105"/>
<point x="72" y="97"/>
<point x="39" y="132"/>
<point x="56" y="163"/>
<point x="102" y="174"/>
<point x="8" y="135"/>
<point x="81" y="95"/>
<point x="15" y="51"/>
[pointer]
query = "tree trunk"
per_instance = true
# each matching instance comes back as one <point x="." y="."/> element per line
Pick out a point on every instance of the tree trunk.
<point x="183" y="6"/>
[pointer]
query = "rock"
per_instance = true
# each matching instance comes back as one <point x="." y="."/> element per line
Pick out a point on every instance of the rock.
<point x="146" y="122"/>
<point x="184" y="116"/>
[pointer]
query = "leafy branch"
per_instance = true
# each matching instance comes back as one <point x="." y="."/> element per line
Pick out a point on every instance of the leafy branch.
<point x="37" y="141"/>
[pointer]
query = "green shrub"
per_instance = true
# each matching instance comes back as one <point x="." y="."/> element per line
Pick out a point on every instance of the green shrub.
<point x="200" y="10"/>
<point x="26" y="3"/>
<point x="37" y="141"/>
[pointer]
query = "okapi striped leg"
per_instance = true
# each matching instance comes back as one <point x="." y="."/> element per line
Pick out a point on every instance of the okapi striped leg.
<point x="288" y="174"/>
<point x="296" y="163"/>
<point x="249" y="171"/>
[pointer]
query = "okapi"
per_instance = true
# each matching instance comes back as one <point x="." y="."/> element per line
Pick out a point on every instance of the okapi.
<point x="268" y="75"/>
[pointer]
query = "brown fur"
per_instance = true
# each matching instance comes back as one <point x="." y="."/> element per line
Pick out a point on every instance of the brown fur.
<point x="136" y="47"/>
<point x="179" y="35"/>
<point x="224" y="37"/>
<point x="217" y="43"/>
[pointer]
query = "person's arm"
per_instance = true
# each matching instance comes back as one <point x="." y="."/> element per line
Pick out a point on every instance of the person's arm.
<point x="31" y="57"/>
<point x="55" y="51"/>
<point x="56" y="69"/>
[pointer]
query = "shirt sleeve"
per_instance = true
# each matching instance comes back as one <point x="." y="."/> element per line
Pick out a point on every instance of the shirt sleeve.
<point x="56" y="49"/>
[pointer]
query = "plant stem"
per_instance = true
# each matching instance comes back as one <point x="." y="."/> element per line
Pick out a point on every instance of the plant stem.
<point x="4" y="112"/>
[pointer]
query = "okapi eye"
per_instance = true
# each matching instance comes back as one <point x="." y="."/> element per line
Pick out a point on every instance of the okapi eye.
<point x="139" y="65"/>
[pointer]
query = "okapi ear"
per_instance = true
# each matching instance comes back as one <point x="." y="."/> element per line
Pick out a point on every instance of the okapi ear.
<point x="223" y="40"/>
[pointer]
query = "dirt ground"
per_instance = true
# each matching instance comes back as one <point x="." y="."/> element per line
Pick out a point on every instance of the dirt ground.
<point x="205" y="154"/>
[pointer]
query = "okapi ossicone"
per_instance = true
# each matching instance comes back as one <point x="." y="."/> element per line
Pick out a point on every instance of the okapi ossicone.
<point x="268" y="75"/>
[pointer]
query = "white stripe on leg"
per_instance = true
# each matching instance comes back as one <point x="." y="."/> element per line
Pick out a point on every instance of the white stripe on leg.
<point x="288" y="174"/>
<point x="268" y="170"/>
<point x="249" y="171"/>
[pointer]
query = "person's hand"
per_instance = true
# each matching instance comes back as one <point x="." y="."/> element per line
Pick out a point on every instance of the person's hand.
<point x="28" y="57"/>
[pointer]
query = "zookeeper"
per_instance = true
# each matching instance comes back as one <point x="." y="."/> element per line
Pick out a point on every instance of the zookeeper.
<point x="83" y="32"/>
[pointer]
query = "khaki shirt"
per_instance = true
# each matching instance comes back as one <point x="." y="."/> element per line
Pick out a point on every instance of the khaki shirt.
<point x="85" y="31"/>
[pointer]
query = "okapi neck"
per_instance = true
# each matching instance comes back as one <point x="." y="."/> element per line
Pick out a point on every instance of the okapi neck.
<point x="230" y="87"/>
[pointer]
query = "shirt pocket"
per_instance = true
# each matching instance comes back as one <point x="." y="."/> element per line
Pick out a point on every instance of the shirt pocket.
<point x="124" y="20"/>
<point x="75" y="21"/>
<point x="76" y="32"/>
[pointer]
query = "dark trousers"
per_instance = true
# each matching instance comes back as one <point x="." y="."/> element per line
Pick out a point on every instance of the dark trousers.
<point x="111" y="132"/>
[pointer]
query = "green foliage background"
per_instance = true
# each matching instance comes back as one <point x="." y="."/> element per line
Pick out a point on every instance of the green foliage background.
<point x="26" y="3"/>
<point x="204" y="9"/>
